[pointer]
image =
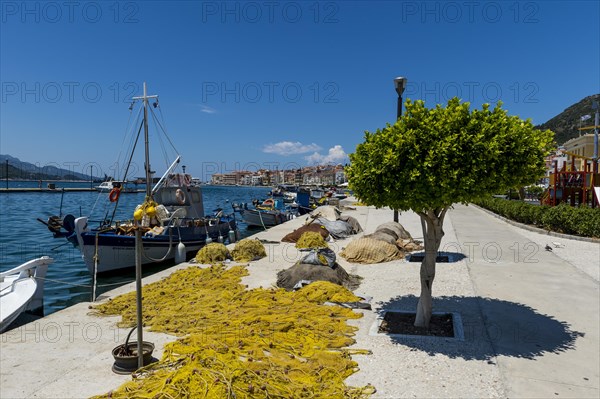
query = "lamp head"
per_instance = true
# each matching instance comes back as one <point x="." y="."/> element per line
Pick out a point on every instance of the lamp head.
<point x="400" y="84"/>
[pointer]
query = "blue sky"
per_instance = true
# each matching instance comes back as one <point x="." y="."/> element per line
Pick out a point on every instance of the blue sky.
<point x="275" y="84"/>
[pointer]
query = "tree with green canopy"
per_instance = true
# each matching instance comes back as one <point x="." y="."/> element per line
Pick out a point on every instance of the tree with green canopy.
<point x="433" y="158"/>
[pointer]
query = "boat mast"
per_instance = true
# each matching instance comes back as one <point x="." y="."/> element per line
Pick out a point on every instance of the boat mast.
<point x="145" y="99"/>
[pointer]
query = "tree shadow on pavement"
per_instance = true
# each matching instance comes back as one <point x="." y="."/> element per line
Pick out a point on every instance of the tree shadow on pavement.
<point x="441" y="257"/>
<point x="505" y="329"/>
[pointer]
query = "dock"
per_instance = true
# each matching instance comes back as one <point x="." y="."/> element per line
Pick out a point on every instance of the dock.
<point x="56" y="190"/>
<point x="529" y="319"/>
<point x="45" y="190"/>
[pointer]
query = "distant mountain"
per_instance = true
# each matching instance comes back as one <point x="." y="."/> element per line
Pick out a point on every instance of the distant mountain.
<point x="18" y="169"/>
<point x="566" y="124"/>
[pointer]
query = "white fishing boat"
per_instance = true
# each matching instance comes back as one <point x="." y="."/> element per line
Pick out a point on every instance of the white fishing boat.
<point x="171" y="218"/>
<point x="107" y="186"/>
<point x="111" y="186"/>
<point x="22" y="289"/>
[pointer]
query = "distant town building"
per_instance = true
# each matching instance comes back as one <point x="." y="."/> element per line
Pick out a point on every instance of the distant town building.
<point x="581" y="146"/>
<point x="325" y="175"/>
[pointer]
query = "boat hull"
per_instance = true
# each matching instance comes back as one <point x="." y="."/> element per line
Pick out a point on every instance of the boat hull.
<point x="117" y="252"/>
<point x="264" y="218"/>
<point x="22" y="289"/>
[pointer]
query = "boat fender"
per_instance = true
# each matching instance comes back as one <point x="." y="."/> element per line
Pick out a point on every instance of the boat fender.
<point x="220" y="238"/>
<point x="113" y="196"/>
<point x="180" y="254"/>
<point x="231" y="236"/>
<point x="208" y="239"/>
<point x="180" y="196"/>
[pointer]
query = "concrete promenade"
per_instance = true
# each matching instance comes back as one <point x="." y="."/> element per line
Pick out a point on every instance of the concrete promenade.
<point x="530" y="317"/>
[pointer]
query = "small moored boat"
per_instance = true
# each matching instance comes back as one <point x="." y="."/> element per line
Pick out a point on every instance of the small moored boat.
<point x="22" y="289"/>
<point x="269" y="213"/>
<point x="110" y="186"/>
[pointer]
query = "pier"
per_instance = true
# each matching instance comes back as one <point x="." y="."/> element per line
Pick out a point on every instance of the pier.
<point x="45" y="190"/>
<point x="529" y="317"/>
<point x="56" y="190"/>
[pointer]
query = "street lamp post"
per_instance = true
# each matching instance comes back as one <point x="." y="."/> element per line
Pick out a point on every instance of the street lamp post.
<point x="399" y="85"/>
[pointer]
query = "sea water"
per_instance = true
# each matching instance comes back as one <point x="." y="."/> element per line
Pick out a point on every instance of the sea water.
<point x="23" y="238"/>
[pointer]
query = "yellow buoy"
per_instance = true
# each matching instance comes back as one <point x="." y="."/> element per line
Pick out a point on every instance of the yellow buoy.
<point x="138" y="214"/>
<point x="151" y="211"/>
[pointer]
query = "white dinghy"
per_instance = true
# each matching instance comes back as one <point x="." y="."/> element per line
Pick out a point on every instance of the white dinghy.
<point x="22" y="289"/>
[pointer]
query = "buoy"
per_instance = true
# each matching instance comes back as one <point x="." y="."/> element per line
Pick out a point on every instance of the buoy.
<point x="139" y="213"/>
<point x="238" y="235"/>
<point x="208" y="239"/>
<point x="180" y="196"/>
<point x="151" y="211"/>
<point x="180" y="254"/>
<point x="231" y="235"/>
<point x="113" y="196"/>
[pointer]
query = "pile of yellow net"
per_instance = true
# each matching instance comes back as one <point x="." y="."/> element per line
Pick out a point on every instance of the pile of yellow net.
<point x="248" y="249"/>
<point x="325" y="291"/>
<point x="239" y="343"/>
<point x="311" y="239"/>
<point x="212" y="253"/>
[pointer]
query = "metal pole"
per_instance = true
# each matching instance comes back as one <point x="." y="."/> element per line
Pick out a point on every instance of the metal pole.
<point x="91" y="178"/>
<point x="398" y="115"/>
<point x="145" y="97"/>
<point x="147" y="145"/>
<point x="138" y="295"/>
<point x="95" y="275"/>
<point x="6" y="174"/>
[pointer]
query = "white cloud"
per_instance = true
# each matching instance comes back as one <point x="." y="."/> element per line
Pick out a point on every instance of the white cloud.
<point x="290" y="148"/>
<point x="207" y="109"/>
<point x="336" y="154"/>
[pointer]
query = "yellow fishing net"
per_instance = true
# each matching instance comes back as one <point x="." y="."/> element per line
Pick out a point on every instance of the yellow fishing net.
<point x="324" y="291"/>
<point x="311" y="239"/>
<point x="248" y="249"/>
<point x="212" y="253"/>
<point x="239" y="343"/>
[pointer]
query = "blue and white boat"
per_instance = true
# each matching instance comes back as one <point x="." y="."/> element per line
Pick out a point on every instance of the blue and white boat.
<point x="177" y="226"/>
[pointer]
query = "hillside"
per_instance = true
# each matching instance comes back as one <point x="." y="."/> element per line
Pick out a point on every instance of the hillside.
<point x="566" y="124"/>
<point x="20" y="170"/>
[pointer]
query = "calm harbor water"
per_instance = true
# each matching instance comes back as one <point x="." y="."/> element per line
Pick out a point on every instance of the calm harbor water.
<point x="23" y="238"/>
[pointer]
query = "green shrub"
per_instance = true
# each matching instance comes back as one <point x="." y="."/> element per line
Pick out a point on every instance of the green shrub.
<point x="563" y="218"/>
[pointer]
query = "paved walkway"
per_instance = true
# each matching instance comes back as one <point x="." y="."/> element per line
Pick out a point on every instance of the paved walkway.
<point x="531" y="320"/>
<point x="541" y="313"/>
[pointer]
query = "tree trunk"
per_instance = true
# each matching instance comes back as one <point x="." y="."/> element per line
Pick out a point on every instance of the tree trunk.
<point x="432" y="222"/>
